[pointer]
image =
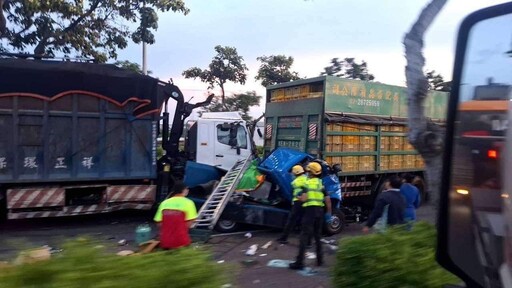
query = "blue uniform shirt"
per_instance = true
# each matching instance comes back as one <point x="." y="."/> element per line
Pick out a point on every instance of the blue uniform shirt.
<point x="412" y="198"/>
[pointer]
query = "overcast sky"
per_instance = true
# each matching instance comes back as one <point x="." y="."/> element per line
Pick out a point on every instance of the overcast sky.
<point x="312" y="31"/>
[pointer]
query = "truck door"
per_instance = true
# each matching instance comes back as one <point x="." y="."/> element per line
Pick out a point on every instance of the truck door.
<point x="232" y="143"/>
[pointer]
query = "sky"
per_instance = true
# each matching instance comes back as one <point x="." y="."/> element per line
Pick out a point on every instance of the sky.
<point x="311" y="31"/>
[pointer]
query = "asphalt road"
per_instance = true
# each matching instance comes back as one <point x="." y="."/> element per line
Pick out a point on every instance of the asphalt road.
<point x="111" y="228"/>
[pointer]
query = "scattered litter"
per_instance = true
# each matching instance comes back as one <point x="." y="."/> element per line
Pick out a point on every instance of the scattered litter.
<point x="249" y="262"/>
<point x="333" y="247"/>
<point x="278" y="263"/>
<point x="252" y="250"/>
<point x="220" y="261"/>
<point x="266" y="245"/>
<point x="125" y="253"/>
<point x="256" y="281"/>
<point x="226" y="286"/>
<point x="310" y="255"/>
<point x="99" y="247"/>
<point x="121" y="242"/>
<point x="248" y="235"/>
<point x="307" y="271"/>
<point x="263" y="255"/>
<point x="52" y="250"/>
<point x="32" y="256"/>
<point x="327" y="241"/>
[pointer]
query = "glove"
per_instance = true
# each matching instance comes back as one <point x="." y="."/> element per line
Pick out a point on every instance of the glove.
<point x="328" y="218"/>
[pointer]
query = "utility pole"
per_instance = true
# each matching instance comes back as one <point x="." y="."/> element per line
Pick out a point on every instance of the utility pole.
<point x="144" y="56"/>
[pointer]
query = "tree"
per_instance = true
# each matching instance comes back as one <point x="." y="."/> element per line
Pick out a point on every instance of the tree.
<point x="91" y="29"/>
<point x="348" y="68"/>
<point x="237" y="102"/>
<point x="436" y="82"/>
<point x="275" y="69"/>
<point x="425" y="136"/>
<point x="135" y="67"/>
<point x="226" y="66"/>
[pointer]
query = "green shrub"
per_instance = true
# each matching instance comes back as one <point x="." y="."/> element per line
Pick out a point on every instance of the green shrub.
<point x="397" y="258"/>
<point x="260" y="150"/>
<point x="83" y="265"/>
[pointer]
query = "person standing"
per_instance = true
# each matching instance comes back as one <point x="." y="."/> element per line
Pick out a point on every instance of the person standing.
<point x="174" y="216"/>
<point x="391" y="200"/>
<point x="412" y="197"/>
<point x="296" y="213"/>
<point x="314" y="198"/>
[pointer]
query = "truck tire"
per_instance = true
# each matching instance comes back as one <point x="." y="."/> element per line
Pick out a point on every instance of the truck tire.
<point x="337" y="225"/>
<point x="226" y="226"/>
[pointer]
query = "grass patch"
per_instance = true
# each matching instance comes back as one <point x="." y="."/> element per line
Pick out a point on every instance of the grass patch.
<point x="83" y="264"/>
<point x="397" y="258"/>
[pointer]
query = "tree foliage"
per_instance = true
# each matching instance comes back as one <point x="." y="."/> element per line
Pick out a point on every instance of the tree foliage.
<point x="226" y="66"/>
<point x="436" y="82"/>
<point x="275" y="69"/>
<point x="135" y="67"/>
<point x="93" y="29"/>
<point x="348" y="68"/>
<point x="237" y="102"/>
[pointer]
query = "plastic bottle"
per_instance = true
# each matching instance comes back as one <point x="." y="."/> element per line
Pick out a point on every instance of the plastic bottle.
<point x="142" y="233"/>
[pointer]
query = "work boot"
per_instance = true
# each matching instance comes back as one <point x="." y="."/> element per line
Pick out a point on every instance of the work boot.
<point x="296" y="266"/>
<point x="282" y="240"/>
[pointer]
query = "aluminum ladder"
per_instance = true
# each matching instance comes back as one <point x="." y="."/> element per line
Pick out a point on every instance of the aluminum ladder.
<point x="211" y="210"/>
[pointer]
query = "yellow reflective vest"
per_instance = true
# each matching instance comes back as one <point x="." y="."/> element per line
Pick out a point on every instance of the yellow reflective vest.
<point x="315" y="192"/>
<point x="298" y="184"/>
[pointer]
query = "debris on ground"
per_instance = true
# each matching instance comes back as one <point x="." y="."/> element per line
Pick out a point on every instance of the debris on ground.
<point x="256" y="281"/>
<point x="278" y="263"/>
<point x="220" y="261"/>
<point x="52" y="249"/>
<point x="226" y="286"/>
<point x="327" y="241"/>
<point x="252" y="250"/>
<point x="32" y="256"/>
<point x="248" y="235"/>
<point x="266" y="245"/>
<point x="249" y="262"/>
<point x="310" y="255"/>
<point x="122" y="242"/>
<point x="263" y="255"/>
<point x="307" y="271"/>
<point x="125" y="253"/>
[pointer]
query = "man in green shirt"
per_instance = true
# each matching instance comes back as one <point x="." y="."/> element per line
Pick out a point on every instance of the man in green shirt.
<point x="174" y="217"/>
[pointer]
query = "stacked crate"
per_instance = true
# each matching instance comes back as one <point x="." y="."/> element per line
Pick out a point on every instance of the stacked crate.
<point x="384" y="163"/>
<point x="293" y="93"/>
<point x="277" y="95"/>
<point x="366" y="163"/>
<point x="409" y="162"/>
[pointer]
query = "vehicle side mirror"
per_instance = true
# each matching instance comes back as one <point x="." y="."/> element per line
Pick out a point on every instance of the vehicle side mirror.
<point x="259" y="132"/>
<point x="472" y="229"/>
<point x="233" y="141"/>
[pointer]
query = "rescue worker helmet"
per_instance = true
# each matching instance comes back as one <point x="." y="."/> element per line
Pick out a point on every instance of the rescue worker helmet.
<point x="314" y="168"/>
<point x="297" y="170"/>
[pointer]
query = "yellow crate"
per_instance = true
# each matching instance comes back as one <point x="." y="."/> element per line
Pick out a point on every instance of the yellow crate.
<point x="315" y="95"/>
<point x="366" y="163"/>
<point x="366" y="128"/>
<point x="384" y="162"/>
<point x="408" y="146"/>
<point x="351" y="140"/>
<point x="295" y="92"/>
<point x="304" y="90"/>
<point x="288" y="94"/>
<point x="395" y="162"/>
<point x="349" y="163"/>
<point x="330" y="126"/>
<point x="367" y="147"/>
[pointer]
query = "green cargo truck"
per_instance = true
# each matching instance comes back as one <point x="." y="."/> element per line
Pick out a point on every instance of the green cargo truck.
<point x="360" y="125"/>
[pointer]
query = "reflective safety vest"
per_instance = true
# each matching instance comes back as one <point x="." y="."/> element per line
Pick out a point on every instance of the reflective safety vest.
<point x="315" y="193"/>
<point x="298" y="184"/>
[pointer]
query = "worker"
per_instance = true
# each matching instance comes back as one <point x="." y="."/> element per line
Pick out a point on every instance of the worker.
<point x="174" y="216"/>
<point x="314" y="198"/>
<point x="412" y="197"/>
<point x="393" y="200"/>
<point x="296" y="213"/>
<point x="331" y="182"/>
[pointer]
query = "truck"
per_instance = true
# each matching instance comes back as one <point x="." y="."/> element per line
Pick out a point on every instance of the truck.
<point x="358" y="124"/>
<point x="81" y="138"/>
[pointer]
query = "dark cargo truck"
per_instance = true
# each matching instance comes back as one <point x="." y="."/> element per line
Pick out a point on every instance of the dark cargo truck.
<point x="81" y="138"/>
<point x="360" y="125"/>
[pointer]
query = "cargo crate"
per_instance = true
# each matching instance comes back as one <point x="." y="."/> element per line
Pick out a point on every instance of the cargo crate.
<point x="315" y="95"/>
<point x="288" y="94"/>
<point x="409" y="162"/>
<point x="367" y="128"/>
<point x="304" y="91"/>
<point x="367" y="143"/>
<point x="330" y="126"/>
<point x="295" y="93"/>
<point x="396" y="143"/>
<point x="408" y="146"/>
<point x="395" y="162"/>
<point x="349" y="163"/>
<point x="384" y="143"/>
<point x="384" y="163"/>
<point x="366" y="163"/>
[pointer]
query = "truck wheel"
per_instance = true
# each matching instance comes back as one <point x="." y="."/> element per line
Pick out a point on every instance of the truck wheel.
<point x="338" y="223"/>
<point x="226" y="226"/>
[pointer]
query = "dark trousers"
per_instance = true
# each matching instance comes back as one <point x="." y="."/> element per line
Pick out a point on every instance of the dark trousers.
<point x="312" y="222"/>
<point x="293" y="218"/>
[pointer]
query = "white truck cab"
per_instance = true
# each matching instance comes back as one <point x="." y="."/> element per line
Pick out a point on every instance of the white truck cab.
<point x="218" y="139"/>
